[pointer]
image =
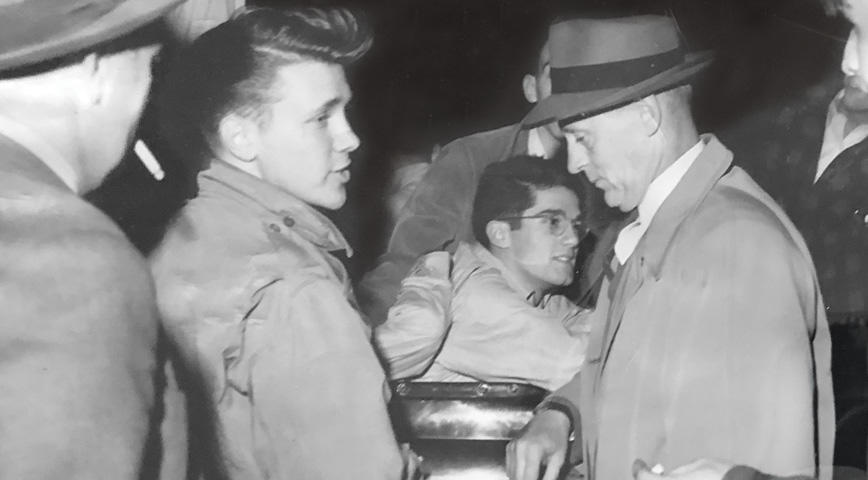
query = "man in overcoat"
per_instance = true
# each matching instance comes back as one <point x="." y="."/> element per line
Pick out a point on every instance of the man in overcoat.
<point x="710" y="336"/>
<point x="78" y="327"/>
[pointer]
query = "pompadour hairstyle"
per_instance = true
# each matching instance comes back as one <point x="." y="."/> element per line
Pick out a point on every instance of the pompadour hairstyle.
<point x="508" y="188"/>
<point x="232" y="67"/>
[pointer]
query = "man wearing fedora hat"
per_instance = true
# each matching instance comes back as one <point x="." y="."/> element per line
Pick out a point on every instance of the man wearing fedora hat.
<point x="79" y="326"/>
<point x="710" y="337"/>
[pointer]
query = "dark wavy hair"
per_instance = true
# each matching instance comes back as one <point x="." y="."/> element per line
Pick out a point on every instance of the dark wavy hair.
<point x="232" y="68"/>
<point x="508" y="188"/>
<point x="833" y="7"/>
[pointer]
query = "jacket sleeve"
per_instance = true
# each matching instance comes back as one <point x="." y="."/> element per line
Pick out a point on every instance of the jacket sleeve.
<point x="742" y="472"/>
<point x="319" y="394"/>
<point x="419" y="320"/>
<point x="497" y="336"/>
<point x="78" y="357"/>
<point x="434" y="216"/>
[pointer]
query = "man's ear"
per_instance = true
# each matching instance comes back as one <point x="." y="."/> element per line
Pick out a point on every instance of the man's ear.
<point x="497" y="232"/>
<point x="238" y="136"/>
<point x="528" y="85"/>
<point x="93" y="73"/>
<point x="651" y="114"/>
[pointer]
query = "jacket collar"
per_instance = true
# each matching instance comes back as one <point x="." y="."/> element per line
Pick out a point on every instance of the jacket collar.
<point x="272" y="201"/>
<point x="512" y="280"/>
<point x="30" y="162"/>
<point x="712" y="163"/>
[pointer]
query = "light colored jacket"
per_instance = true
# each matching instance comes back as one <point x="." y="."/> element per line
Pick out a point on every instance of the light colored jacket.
<point x="78" y="333"/>
<point x="711" y="341"/>
<point x="265" y="319"/>
<point x="478" y="324"/>
<point x="437" y="214"/>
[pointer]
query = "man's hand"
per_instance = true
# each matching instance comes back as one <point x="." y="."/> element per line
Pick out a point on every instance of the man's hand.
<point x="412" y="464"/>
<point x="543" y="442"/>
<point x="704" y="469"/>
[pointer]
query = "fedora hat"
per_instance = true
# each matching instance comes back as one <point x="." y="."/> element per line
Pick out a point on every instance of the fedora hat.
<point x="32" y="31"/>
<point x="601" y="64"/>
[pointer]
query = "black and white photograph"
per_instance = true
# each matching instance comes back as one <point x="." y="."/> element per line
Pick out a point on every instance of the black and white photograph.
<point x="434" y="239"/>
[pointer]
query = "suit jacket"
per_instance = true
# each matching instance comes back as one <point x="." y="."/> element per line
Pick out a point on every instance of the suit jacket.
<point x="711" y="340"/>
<point x="77" y="333"/>
<point x="831" y="214"/>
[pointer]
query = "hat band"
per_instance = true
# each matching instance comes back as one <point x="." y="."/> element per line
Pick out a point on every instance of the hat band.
<point x="602" y="76"/>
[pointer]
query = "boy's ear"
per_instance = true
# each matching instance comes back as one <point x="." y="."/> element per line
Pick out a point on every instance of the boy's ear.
<point x="238" y="136"/>
<point x="497" y="232"/>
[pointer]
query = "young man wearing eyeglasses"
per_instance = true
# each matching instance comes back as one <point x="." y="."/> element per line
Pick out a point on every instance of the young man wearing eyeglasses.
<point x="495" y="315"/>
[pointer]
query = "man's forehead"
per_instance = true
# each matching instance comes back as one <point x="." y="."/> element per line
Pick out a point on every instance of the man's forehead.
<point x="314" y="82"/>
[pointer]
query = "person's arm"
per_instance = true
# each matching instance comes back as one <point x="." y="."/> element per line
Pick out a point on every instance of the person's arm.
<point x="318" y="391"/>
<point x="433" y="217"/>
<point x="496" y="336"/>
<point x="78" y="341"/>
<point x="417" y="324"/>
<point x="542" y="446"/>
<point x="706" y="469"/>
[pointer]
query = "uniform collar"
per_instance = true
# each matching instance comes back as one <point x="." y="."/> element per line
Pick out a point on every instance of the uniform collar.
<point x="712" y="163"/>
<point x="276" y="203"/>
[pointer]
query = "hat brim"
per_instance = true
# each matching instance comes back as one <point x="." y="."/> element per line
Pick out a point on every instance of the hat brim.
<point x="123" y="19"/>
<point x="565" y="107"/>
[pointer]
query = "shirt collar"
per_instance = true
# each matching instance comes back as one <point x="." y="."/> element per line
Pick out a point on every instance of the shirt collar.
<point x="512" y="280"/>
<point x="535" y="145"/>
<point x="834" y="140"/>
<point x="657" y="192"/>
<point x="276" y="203"/>
<point x="713" y="162"/>
<point x="665" y="183"/>
<point x="41" y="149"/>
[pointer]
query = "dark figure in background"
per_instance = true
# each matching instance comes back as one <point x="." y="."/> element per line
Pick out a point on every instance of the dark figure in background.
<point x="814" y="162"/>
<point x="437" y="214"/>
<point x="79" y="326"/>
<point x="287" y="382"/>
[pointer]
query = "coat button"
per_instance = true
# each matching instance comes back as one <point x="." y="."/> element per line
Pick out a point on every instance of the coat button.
<point x="288" y="221"/>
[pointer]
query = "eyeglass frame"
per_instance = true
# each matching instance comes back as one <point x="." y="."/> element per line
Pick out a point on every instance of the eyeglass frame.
<point x="551" y="215"/>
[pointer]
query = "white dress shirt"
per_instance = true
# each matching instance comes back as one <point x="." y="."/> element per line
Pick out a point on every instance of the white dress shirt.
<point x="834" y="140"/>
<point x="535" y="145"/>
<point x="657" y="192"/>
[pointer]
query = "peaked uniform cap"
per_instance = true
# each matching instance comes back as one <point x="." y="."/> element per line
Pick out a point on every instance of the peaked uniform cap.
<point x="33" y="31"/>
<point x="600" y="64"/>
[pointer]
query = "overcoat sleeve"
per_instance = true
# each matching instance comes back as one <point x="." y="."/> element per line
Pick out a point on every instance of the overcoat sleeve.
<point x="77" y="356"/>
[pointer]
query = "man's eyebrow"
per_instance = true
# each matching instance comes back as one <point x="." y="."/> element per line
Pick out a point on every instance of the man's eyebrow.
<point x="554" y="211"/>
<point x="327" y="107"/>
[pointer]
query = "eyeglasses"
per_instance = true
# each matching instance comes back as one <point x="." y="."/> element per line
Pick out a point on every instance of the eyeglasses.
<point x="557" y="222"/>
